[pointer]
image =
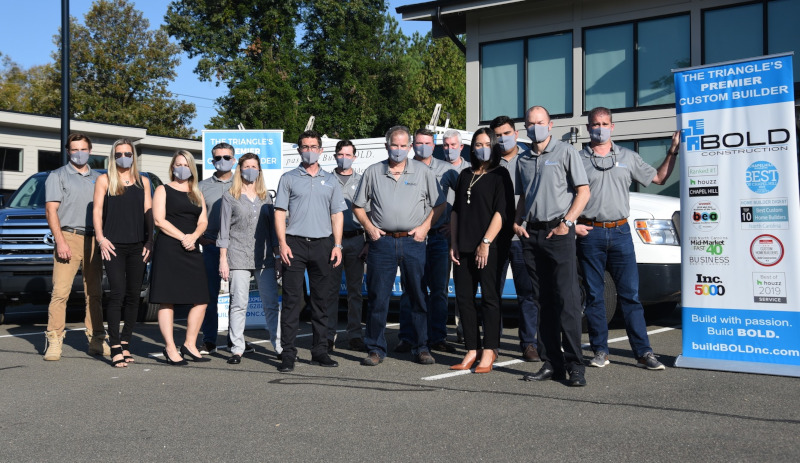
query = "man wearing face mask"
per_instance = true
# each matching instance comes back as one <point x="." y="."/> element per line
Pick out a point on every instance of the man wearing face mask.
<point x="604" y="236"/>
<point x="222" y="156"/>
<point x="553" y="189"/>
<point x="69" y="194"/>
<point x="396" y="203"/>
<point x="353" y="245"/>
<point x="437" y="262"/>
<point x="310" y="240"/>
<point x="506" y="133"/>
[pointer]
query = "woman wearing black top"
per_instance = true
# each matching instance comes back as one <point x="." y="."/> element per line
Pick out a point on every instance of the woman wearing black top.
<point x="482" y="216"/>
<point x="123" y="224"/>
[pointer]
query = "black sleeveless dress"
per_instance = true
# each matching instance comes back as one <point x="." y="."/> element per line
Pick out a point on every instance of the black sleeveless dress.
<point x="179" y="276"/>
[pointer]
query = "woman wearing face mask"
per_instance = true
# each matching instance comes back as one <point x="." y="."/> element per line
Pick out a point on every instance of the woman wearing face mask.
<point x="481" y="220"/>
<point x="246" y="244"/>
<point x="180" y="214"/>
<point x="123" y="223"/>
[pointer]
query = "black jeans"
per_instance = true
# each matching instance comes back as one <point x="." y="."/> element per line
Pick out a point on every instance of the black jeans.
<point x="314" y="256"/>
<point x="466" y="278"/>
<point x="125" y="272"/>
<point x="552" y="266"/>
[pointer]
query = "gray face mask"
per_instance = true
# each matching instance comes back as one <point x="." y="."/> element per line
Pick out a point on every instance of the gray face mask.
<point x="538" y="133"/>
<point x="344" y="163"/>
<point x="181" y="173"/>
<point x="79" y="158"/>
<point x="599" y="134"/>
<point x="250" y="175"/>
<point x="398" y="155"/>
<point x="125" y="162"/>
<point x="483" y="154"/>
<point x="423" y="151"/>
<point x="224" y="166"/>
<point x="452" y="154"/>
<point x="507" y="142"/>
<point x="309" y="157"/>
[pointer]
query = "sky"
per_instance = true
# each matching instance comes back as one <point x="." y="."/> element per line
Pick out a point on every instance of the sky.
<point x="27" y="38"/>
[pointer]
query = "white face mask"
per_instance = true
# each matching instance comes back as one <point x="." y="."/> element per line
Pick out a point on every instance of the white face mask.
<point x="599" y="134"/>
<point x="309" y="157"/>
<point x="181" y="172"/>
<point x="538" y="133"/>
<point x="423" y="151"/>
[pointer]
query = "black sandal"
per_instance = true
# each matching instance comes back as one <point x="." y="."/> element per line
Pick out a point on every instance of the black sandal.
<point x="128" y="358"/>
<point x="121" y="363"/>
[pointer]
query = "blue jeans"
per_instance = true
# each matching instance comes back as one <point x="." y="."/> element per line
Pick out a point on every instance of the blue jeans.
<point x="612" y="249"/>
<point x="528" y="309"/>
<point x="385" y="255"/>
<point x="211" y="322"/>
<point x="434" y="285"/>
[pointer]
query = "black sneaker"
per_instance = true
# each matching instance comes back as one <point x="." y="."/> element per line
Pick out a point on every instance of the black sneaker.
<point x="207" y="348"/>
<point x="649" y="362"/>
<point x="576" y="378"/>
<point x="324" y="360"/>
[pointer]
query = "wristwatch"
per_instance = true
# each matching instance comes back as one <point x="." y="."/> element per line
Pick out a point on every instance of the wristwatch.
<point x="486" y="241"/>
<point x="568" y="223"/>
<point x="338" y="246"/>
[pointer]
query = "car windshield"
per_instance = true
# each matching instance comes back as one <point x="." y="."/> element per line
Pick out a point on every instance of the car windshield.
<point x="30" y="194"/>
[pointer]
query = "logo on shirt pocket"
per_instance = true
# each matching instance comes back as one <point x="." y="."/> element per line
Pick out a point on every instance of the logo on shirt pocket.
<point x="551" y="163"/>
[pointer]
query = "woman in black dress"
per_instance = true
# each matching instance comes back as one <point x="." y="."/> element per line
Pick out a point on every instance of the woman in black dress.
<point x="482" y="218"/>
<point x="178" y="270"/>
<point x="123" y="224"/>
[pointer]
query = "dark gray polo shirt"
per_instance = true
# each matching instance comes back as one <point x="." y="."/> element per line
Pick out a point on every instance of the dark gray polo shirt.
<point x="349" y="192"/>
<point x="212" y="189"/>
<point x="398" y="204"/>
<point x="610" y="200"/>
<point x="309" y="201"/>
<point x="75" y="192"/>
<point x="446" y="177"/>
<point x="548" y="180"/>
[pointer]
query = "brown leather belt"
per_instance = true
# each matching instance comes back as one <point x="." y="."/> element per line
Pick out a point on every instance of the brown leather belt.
<point x="77" y="231"/>
<point x="397" y="234"/>
<point x="352" y="233"/>
<point x="613" y="224"/>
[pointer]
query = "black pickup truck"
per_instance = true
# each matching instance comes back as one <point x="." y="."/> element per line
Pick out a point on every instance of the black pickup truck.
<point x="26" y="251"/>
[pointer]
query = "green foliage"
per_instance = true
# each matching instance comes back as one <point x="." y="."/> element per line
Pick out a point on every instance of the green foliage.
<point x="33" y="90"/>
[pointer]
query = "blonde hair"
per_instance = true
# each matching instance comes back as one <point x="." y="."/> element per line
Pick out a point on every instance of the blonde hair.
<point x="115" y="186"/>
<point x="236" y="188"/>
<point x="194" y="191"/>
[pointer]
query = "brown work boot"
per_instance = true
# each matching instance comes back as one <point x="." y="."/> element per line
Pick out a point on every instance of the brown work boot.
<point x="97" y="344"/>
<point x="530" y="354"/>
<point x="54" y="343"/>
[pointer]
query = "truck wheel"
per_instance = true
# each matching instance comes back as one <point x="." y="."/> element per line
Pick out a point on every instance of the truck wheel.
<point x="609" y="294"/>
<point x="2" y="312"/>
<point x="147" y="312"/>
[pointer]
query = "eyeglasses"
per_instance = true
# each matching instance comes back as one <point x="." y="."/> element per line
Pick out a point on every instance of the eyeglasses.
<point x="312" y="147"/>
<point x="220" y="158"/>
<point x="127" y="154"/>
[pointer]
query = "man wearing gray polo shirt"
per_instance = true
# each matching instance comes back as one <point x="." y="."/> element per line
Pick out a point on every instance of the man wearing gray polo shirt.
<point x="69" y="193"/>
<point x="553" y="190"/>
<point x="403" y="198"/>
<point x="604" y="236"/>
<point x="437" y="262"/>
<point x="310" y="240"/>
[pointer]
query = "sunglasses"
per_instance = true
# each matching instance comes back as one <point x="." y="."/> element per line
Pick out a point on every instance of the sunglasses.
<point x="219" y="158"/>
<point x="127" y="154"/>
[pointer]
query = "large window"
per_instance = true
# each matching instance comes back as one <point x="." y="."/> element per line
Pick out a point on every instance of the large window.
<point x="630" y="65"/>
<point x="653" y="152"/>
<point x="749" y="30"/>
<point x="518" y="74"/>
<point x="10" y="160"/>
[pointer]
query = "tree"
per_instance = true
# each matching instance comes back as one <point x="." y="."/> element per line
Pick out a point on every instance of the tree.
<point x="120" y="71"/>
<point x="249" y="45"/>
<point x="33" y="90"/>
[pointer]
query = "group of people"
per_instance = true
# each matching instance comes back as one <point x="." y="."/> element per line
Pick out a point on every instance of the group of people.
<point x="544" y="209"/>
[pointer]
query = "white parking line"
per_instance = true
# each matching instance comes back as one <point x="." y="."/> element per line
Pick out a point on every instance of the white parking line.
<point x="512" y="362"/>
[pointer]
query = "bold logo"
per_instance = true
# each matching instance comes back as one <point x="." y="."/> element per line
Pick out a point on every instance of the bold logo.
<point x="695" y="138"/>
<point x="766" y="250"/>
<point x="691" y="135"/>
<point x="706" y="285"/>
<point x="761" y="177"/>
<point x="48" y="239"/>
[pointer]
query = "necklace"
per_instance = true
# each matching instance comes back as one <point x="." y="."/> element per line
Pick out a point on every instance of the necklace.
<point x="471" y="184"/>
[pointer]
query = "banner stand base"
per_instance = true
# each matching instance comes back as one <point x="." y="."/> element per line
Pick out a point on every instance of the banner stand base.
<point x="738" y="367"/>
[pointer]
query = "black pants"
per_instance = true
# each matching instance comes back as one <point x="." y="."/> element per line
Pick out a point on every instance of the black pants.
<point x="466" y="278"/>
<point x="125" y="272"/>
<point x="313" y="256"/>
<point x="552" y="266"/>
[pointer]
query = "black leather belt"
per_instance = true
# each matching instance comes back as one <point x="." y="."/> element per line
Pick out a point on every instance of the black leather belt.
<point x="352" y="233"/>
<point x="544" y="225"/>
<point x="77" y="231"/>
<point x="308" y="239"/>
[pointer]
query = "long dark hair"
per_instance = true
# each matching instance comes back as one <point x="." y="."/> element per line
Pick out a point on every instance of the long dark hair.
<point x="494" y="160"/>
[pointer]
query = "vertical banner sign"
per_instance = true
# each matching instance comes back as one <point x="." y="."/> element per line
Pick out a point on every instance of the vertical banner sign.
<point x="265" y="143"/>
<point x="740" y="217"/>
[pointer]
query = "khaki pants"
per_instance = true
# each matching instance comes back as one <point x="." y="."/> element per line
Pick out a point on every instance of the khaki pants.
<point x="85" y="255"/>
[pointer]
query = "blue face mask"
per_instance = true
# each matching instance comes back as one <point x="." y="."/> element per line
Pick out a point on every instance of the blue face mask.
<point x="538" y="133"/>
<point x="423" y="151"/>
<point x="181" y="172"/>
<point x="79" y="158"/>
<point x="398" y="155"/>
<point x="483" y="154"/>
<point x="599" y="134"/>
<point x="452" y="154"/>
<point x="507" y="142"/>
<point x="250" y="175"/>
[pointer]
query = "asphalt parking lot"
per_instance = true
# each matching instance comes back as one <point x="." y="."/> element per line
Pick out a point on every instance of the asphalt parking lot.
<point x="80" y="408"/>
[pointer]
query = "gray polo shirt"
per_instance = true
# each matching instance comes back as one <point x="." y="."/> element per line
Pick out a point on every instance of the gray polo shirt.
<point x="349" y="192"/>
<point x="610" y="179"/>
<point x="247" y="231"/>
<point x="75" y="191"/>
<point x="512" y="169"/>
<point x="446" y="177"/>
<point x="398" y="204"/>
<point x="212" y="189"/>
<point x="548" y="180"/>
<point x="309" y="201"/>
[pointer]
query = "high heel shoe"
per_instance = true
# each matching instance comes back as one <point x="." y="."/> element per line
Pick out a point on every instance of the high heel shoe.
<point x="173" y="362"/>
<point x="186" y="351"/>
<point x="464" y="365"/>
<point x="480" y="369"/>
